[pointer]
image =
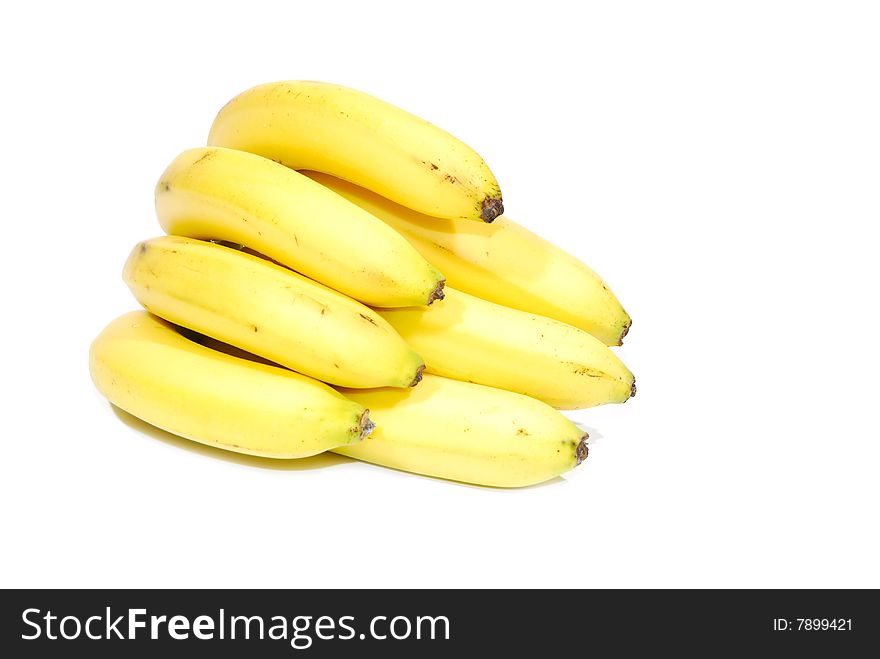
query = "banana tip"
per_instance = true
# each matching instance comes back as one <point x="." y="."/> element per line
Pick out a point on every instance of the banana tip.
<point x="365" y="424"/>
<point x="418" y="377"/>
<point x="490" y="209"/>
<point x="632" y="389"/>
<point x="624" y="331"/>
<point x="437" y="293"/>
<point x="582" y="451"/>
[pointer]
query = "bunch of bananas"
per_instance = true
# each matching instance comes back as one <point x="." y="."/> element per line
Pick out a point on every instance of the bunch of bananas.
<point x="337" y="275"/>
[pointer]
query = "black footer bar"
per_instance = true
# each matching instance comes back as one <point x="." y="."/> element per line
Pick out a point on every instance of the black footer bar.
<point x="316" y="623"/>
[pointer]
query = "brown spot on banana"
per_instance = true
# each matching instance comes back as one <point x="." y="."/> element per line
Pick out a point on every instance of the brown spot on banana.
<point x="581" y="369"/>
<point x="204" y="156"/>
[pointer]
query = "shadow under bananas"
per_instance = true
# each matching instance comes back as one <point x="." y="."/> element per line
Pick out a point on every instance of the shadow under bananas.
<point x="320" y="461"/>
<point x="553" y="482"/>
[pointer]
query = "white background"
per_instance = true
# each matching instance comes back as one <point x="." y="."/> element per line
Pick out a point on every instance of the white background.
<point x="716" y="162"/>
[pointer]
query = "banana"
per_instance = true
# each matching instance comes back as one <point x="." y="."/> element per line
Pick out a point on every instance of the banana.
<point x="467" y="432"/>
<point x="148" y="368"/>
<point x="223" y="194"/>
<point x="357" y="137"/>
<point x="502" y="262"/>
<point x="271" y="311"/>
<point x="470" y="339"/>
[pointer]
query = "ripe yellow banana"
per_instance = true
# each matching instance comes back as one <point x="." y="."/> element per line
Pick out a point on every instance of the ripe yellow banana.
<point x="468" y="338"/>
<point x="148" y="368"/>
<point x="266" y="309"/>
<point x="357" y="137"/>
<point x="222" y="194"/>
<point x="502" y="262"/>
<point x="467" y="432"/>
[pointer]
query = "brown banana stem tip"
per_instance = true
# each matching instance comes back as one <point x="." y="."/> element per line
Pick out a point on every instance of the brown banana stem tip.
<point x="632" y="389"/>
<point x="490" y="209"/>
<point x="581" y="451"/>
<point x="365" y="424"/>
<point x="437" y="293"/>
<point x="625" y="331"/>
<point x="418" y="377"/>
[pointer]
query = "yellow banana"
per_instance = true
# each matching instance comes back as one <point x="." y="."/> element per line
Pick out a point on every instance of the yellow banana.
<point x="470" y="339"/>
<point x="266" y="309"/>
<point x="223" y="194"/>
<point x="357" y="137"/>
<point x="148" y="368"/>
<point x="502" y="262"/>
<point x="467" y="432"/>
